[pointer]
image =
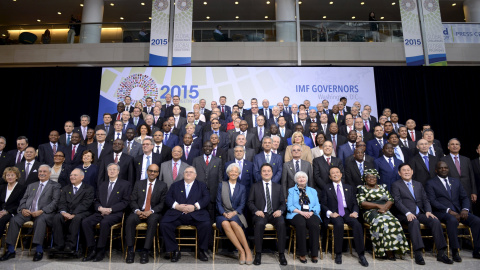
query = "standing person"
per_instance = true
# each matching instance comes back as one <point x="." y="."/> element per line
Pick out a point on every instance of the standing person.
<point x="374" y="27"/>
<point x="71" y="29"/>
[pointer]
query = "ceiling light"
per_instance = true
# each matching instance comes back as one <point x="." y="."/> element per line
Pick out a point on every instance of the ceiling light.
<point x="236" y="17"/>
<point x="393" y="4"/>
<point x="299" y="2"/>
<point x="3" y="35"/>
<point x="353" y="17"/>
<point x="266" y="17"/>
<point x="143" y="4"/>
<point x="331" y="3"/>
<point x="81" y="5"/>
<point x="208" y="17"/>
<point x="381" y="18"/>
<point x="112" y="4"/>
<point x="454" y="4"/>
<point x="236" y="3"/>
<point x="324" y="17"/>
<point x="204" y="3"/>
<point x="59" y="13"/>
<point x="149" y="18"/>
<point x="268" y="2"/>
<point x="121" y="18"/>
<point x="39" y="20"/>
<point x="362" y="3"/>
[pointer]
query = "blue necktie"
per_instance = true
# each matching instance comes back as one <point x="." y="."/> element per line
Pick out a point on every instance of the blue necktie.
<point x="187" y="190"/>
<point x="68" y="139"/>
<point x="409" y="185"/>
<point x="449" y="190"/>
<point x="425" y="158"/>
<point x="146" y="167"/>
<point x="353" y="147"/>
<point x="397" y="154"/>
<point x="390" y="163"/>
<point x="166" y="138"/>
<point x="360" y="168"/>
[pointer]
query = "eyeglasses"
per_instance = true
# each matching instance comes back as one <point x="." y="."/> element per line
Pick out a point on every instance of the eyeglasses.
<point x="100" y="134"/>
<point x="296" y="150"/>
<point x="152" y="171"/>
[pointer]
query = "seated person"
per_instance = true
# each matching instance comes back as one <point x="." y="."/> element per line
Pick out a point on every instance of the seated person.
<point x="10" y="195"/>
<point x="385" y="229"/>
<point x="187" y="203"/>
<point x="303" y="212"/>
<point x="231" y="204"/>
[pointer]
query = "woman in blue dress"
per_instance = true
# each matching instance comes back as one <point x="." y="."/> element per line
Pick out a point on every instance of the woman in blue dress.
<point x="90" y="170"/>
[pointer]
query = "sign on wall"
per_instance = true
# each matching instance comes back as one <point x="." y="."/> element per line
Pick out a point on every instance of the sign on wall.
<point x="182" y="41"/>
<point x="159" y="33"/>
<point x="412" y="37"/>
<point x="461" y="33"/>
<point x="433" y="32"/>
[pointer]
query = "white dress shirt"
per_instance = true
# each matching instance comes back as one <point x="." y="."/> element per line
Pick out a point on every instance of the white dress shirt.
<point x="146" y="193"/>
<point x="343" y="195"/>
<point x="265" y="191"/>
<point x="144" y="163"/>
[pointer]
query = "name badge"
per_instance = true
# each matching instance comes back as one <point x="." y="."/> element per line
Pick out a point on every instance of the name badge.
<point x="305" y="207"/>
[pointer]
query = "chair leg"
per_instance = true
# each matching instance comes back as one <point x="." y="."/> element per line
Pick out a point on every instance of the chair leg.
<point x="214" y="243"/>
<point x="295" y="247"/>
<point x="196" y="243"/>
<point x="154" y="249"/>
<point x="349" y="241"/>
<point x="411" y="249"/>
<point x="290" y="241"/>
<point x="471" y="236"/>
<point x="320" y="247"/>
<point x="111" y="239"/>
<point x="121" y="237"/>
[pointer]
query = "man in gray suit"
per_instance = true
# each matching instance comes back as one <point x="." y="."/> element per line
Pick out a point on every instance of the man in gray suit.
<point x="172" y="170"/>
<point x="414" y="208"/>
<point x="460" y="167"/>
<point x="241" y="141"/>
<point x="38" y="204"/>
<point x="132" y="147"/>
<point x="292" y="167"/>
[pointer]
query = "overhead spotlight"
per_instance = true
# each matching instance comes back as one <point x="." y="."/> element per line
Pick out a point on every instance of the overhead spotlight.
<point x="353" y="17"/>
<point x="454" y="4"/>
<point x="112" y="4"/>
<point x="266" y="17"/>
<point x="236" y="3"/>
<point x="393" y="4"/>
<point x="149" y="18"/>
<point x="236" y="17"/>
<point x="81" y="5"/>
<point x="143" y="4"/>
<point x="362" y="3"/>
<point x="204" y="3"/>
<point x="331" y="3"/>
<point x="121" y="18"/>
<point x="324" y="17"/>
<point x="39" y="20"/>
<point x="208" y="17"/>
<point x="59" y="13"/>
<point x="381" y="18"/>
<point x="268" y="2"/>
<point x="299" y="2"/>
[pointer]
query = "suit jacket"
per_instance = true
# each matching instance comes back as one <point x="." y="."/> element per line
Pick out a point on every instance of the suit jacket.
<point x="77" y="158"/>
<point x="135" y="148"/>
<point x="387" y="174"/>
<point x="228" y="110"/>
<point x="13" y="155"/>
<point x="275" y="161"/>
<point x="238" y="199"/>
<point x="340" y="119"/>
<point x="102" y="126"/>
<point x="140" y="191"/>
<point x="172" y="140"/>
<point x="288" y="174"/>
<point x="324" y="131"/>
<point x="438" y="151"/>
<point x="476" y="170"/>
<point x="257" y="201"/>
<point x="467" y="178"/>
<point x="374" y="148"/>
<point x="182" y="121"/>
<point x="165" y="153"/>
<point x="139" y="122"/>
<point x="6" y="160"/>
<point x="249" y="154"/>
<point x="32" y="176"/>
<point x="252" y="140"/>
<point x="309" y="135"/>
<point x="114" y="116"/>
<point x="345" y="151"/>
<point x="80" y="203"/>
<point x="79" y="131"/>
<point x="107" y="150"/>
<point x="112" y="137"/>
<point x="418" y="135"/>
<point x="409" y="145"/>
<point x="119" y="197"/>
<point x="145" y="110"/>
<point x="138" y="163"/>
<point x="250" y="118"/>
<point x="45" y="153"/>
<point x="13" y="201"/>
<point x="365" y="157"/>
<point x="405" y="202"/>
<point x="329" y="201"/>
<point x="127" y="171"/>
<point x="288" y="133"/>
<point x="395" y="128"/>
<point x="169" y="112"/>
<point x="48" y="200"/>
<point x="63" y="139"/>
<point x="352" y="173"/>
<point x="192" y="154"/>
<point x="198" y="194"/>
<point x="206" y="113"/>
<point x="420" y="171"/>
<point x="166" y="172"/>
<point x="440" y="199"/>
<point x="246" y="178"/>
<point x="220" y="153"/>
<point x="224" y="139"/>
<point x="321" y="171"/>
<point x="211" y="174"/>
<point x="367" y="136"/>
<point x="261" y="112"/>
<point x="340" y="141"/>
<point x="406" y="153"/>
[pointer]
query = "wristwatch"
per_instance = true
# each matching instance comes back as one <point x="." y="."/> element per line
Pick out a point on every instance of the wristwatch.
<point x="195" y="207"/>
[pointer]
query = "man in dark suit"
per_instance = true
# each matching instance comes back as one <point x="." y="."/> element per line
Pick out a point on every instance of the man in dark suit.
<point x="145" y="159"/>
<point x="451" y="205"/>
<point x="47" y="150"/>
<point x="251" y="140"/>
<point x="368" y="123"/>
<point x="355" y="167"/>
<point x="335" y="117"/>
<point x="401" y="153"/>
<point x="180" y="121"/>
<point x="460" y="167"/>
<point x="118" y="133"/>
<point x="266" y="156"/>
<point x="366" y="157"/>
<point x="267" y="203"/>
<point x="323" y="125"/>
<point x="101" y="148"/>
<point x="252" y="116"/>
<point x="266" y="111"/>
<point x="321" y="167"/>
<point x="209" y="169"/>
<point x="120" y="110"/>
<point x="339" y="207"/>
<point x="132" y="148"/>
<point x="126" y="124"/>
<point x="107" y="125"/>
<point x="414" y="208"/>
<point x="146" y="203"/>
<point x="118" y="157"/>
<point x="435" y="147"/>
<point x="67" y="136"/>
<point x="423" y="164"/>
<point x="190" y="152"/>
<point x="75" y="204"/>
<point x="387" y="166"/>
<point x="187" y="202"/>
<point x="405" y="142"/>
<point x="246" y="169"/>
<point x="292" y="167"/>
<point x="348" y="126"/>
<point x="28" y="168"/>
<point x="149" y="108"/>
<point x="17" y="154"/>
<point x="312" y="118"/>
<point x="346" y="109"/>
<point x="476" y="172"/>
<point x="128" y="104"/>
<point x="137" y="118"/>
<point x="169" y="110"/>
<point x="172" y="170"/>
<point x="159" y="147"/>
<point x="217" y="151"/>
<point x="346" y="150"/>
<point x="261" y="130"/>
<point x="335" y="138"/>
<point x="39" y="204"/>
<point x="73" y="153"/>
<point x="312" y="133"/>
<point x="5" y="159"/>
<point x="168" y="102"/>
<point x="113" y="197"/>
<point x="375" y="145"/>
<point x="83" y="128"/>
<point x="169" y="139"/>
<point x="413" y="135"/>
<point x="241" y="141"/>
<point x="215" y="129"/>
<point x="158" y="117"/>
<point x="360" y="128"/>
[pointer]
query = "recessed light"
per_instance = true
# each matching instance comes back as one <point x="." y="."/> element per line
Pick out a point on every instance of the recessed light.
<point x="236" y="17"/>
<point x="353" y="17"/>
<point x="454" y="4"/>
<point x="299" y="2"/>
<point x="381" y="18"/>
<point x="393" y="4"/>
<point x="143" y="4"/>
<point x="266" y="17"/>
<point x="121" y="18"/>
<point x="324" y="17"/>
<point x="236" y="3"/>
<point x="268" y="2"/>
<point x="59" y="13"/>
<point x="81" y="5"/>
<point x="149" y="18"/>
<point x="3" y="35"/>
<point x="362" y="3"/>
<point x="331" y="3"/>
<point x="208" y="17"/>
<point x="204" y="3"/>
<point x="39" y="20"/>
<point x="112" y="4"/>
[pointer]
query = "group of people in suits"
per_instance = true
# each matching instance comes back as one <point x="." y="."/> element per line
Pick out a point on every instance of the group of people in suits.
<point x="237" y="167"/>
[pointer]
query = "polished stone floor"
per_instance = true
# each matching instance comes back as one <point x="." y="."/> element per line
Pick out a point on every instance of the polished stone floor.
<point x="224" y="260"/>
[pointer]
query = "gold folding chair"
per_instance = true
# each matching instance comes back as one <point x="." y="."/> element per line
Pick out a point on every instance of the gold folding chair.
<point x="143" y="227"/>
<point x="293" y="238"/>
<point x="216" y="239"/>
<point x="346" y="229"/>
<point x="269" y="234"/>
<point x="187" y="238"/>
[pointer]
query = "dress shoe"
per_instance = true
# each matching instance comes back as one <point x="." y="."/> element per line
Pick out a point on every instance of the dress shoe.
<point x="419" y="258"/>
<point x="476" y="254"/>
<point x="100" y="256"/>
<point x="363" y="261"/>
<point x="144" y="257"/>
<point x="456" y="257"/>
<point x="442" y="257"/>
<point x="68" y="250"/>
<point x="176" y="255"/>
<point x="55" y="249"/>
<point x="304" y="260"/>
<point x="92" y="254"/>
<point x="338" y="258"/>
<point x="258" y="259"/>
<point x="314" y="259"/>
<point x="130" y="257"/>
<point x="202" y="256"/>
<point x="38" y="256"/>
<point x="8" y="255"/>
<point x="282" y="259"/>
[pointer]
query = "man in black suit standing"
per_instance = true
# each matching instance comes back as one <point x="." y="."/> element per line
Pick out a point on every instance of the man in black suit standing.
<point x="149" y="108"/>
<point x="339" y="207"/>
<point x="251" y="140"/>
<point x="112" y="199"/>
<point x="322" y="165"/>
<point x="107" y="125"/>
<point x="452" y="206"/>
<point x="355" y="167"/>
<point x="73" y="153"/>
<point x="75" y="204"/>
<point x="47" y="150"/>
<point x="65" y="139"/>
<point x="128" y="104"/>
<point x="120" y="110"/>
<point x="83" y="128"/>
<point x="267" y="203"/>
<point x="176" y="101"/>
<point x="147" y="200"/>
<point x="335" y="138"/>
<point x="101" y="148"/>
<point x="404" y="141"/>
<point x="145" y="159"/>
<point x="435" y="148"/>
<point x="118" y="157"/>
<point x="17" y="154"/>
<point x="360" y="128"/>
<point x="28" y="168"/>
<point x="413" y="135"/>
<point x="423" y="164"/>
<point x="335" y="117"/>
<point x="414" y="208"/>
<point x="266" y="111"/>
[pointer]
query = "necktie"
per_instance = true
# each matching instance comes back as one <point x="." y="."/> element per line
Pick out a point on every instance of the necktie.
<point x="410" y="187"/>
<point x="84" y="132"/>
<point x="335" y="118"/>
<point x="425" y="158"/>
<point x="149" y="197"/>
<point x="381" y="143"/>
<point x="324" y="128"/>
<point x="430" y="151"/>
<point x="118" y="136"/>
<point x="266" y="113"/>
<point x="294" y="118"/>
<point x="341" y="208"/>
<point x="100" y="147"/>
<point x="158" y="149"/>
<point x="328" y="161"/>
<point x="341" y="112"/>
<point x="313" y="120"/>
<point x="136" y="121"/>
<point x="175" y="172"/>
<point x="255" y="123"/>
<point x="269" y="201"/>
<point x="214" y="152"/>
<point x="206" y="161"/>
<point x="267" y="158"/>
<point x="116" y="159"/>
<point x="349" y="129"/>
<point x="186" y="152"/>
<point x="314" y="136"/>
<point x="156" y="119"/>
<point x="366" y="126"/>
<point x="107" y="128"/>
<point x="188" y="190"/>
<point x="457" y="164"/>
<point x="397" y="154"/>
<point x="447" y="185"/>
<point x="223" y="109"/>
<point x="283" y="132"/>
<point x="390" y="163"/>
<point x="128" y="147"/>
<point x="396" y="127"/>
<point x="118" y="116"/>
<point x="276" y="121"/>
<point x="34" y="205"/>
<point x="260" y="136"/>
<point x="166" y="138"/>
<point x="241" y="167"/>
<point x="353" y="147"/>
<point x="360" y="168"/>
<point x="68" y="139"/>
<point x="146" y="167"/>
<point x="27" y="170"/>
<point x="334" y="143"/>
<point x="412" y="135"/>
<point x="73" y="151"/>
<point x="75" y="189"/>
<point x="303" y="123"/>
<point x="297" y="166"/>
<point x="110" y="188"/>
<point x="405" y="143"/>
<point x="54" y="149"/>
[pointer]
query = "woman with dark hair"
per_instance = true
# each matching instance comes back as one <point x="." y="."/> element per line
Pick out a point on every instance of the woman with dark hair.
<point x="142" y="130"/>
<point x="59" y="172"/>
<point x="319" y="139"/>
<point x="374" y="27"/>
<point x="89" y="169"/>
<point x="10" y="196"/>
<point x="90" y="136"/>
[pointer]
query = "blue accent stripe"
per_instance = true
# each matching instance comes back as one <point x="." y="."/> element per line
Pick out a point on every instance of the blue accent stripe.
<point x="156" y="60"/>
<point x="182" y="61"/>
<point x="418" y="60"/>
<point x="434" y="58"/>
<point x="105" y="106"/>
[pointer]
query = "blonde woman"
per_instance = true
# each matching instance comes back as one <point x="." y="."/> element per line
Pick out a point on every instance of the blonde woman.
<point x="139" y="105"/>
<point x="297" y="138"/>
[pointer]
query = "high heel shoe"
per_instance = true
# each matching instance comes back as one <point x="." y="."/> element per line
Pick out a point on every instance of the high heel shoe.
<point x="241" y="262"/>
<point x="248" y="262"/>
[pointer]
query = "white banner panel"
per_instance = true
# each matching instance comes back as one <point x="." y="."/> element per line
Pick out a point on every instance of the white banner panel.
<point x="182" y="30"/>
<point x="159" y="33"/>
<point x="412" y="38"/>
<point x="461" y="33"/>
<point x="433" y="31"/>
<point x="272" y="83"/>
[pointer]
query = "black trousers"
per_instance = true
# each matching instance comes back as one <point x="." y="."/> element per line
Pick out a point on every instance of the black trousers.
<point x="133" y="220"/>
<point x="416" y="235"/>
<point x="472" y="221"/>
<point x="301" y="225"/>
<point x="71" y="226"/>
<point x="106" y="222"/>
<point x="338" y="224"/>
<point x="204" y="230"/>
<point x="3" y="222"/>
<point x="259" y="230"/>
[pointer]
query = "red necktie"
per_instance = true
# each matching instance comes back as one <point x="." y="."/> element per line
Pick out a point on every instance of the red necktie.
<point x="149" y="197"/>
<point x="413" y="136"/>
<point x="206" y="161"/>
<point x="118" y="116"/>
<point x="175" y="172"/>
<point x="328" y="161"/>
<point x="223" y="109"/>
<point x="366" y="126"/>
<point x="116" y="158"/>
<point x="73" y="151"/>
<point x="186" y="153"/>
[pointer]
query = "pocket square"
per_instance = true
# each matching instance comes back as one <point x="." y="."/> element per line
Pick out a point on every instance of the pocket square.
<point x="35" y="171"/>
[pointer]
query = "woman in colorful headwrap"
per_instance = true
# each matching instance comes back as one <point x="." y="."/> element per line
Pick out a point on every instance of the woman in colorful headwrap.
<point x="376" y="201"/>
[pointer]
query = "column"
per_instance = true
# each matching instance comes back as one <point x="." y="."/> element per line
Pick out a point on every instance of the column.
<point x="92" y="13"/>
<point x="471" y="8"/>
<point x="285" y="10"/>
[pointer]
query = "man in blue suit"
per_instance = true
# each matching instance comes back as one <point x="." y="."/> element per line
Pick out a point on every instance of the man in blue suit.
<point x="346" y="150"/>
<point x="387" y="166"/>
<point x="226" y="110"/>
<point x="187" y="203"/>
<point x="246" y="168"/>
<point x="375" y="145"/>
<point x="169" y="139"/>
<point x="268" y="157"/>
<point x="223" y="136"/>
<point x="451" y="205"/>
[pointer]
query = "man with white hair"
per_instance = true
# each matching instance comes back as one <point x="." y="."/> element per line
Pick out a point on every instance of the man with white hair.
<point x="294" y="166"/>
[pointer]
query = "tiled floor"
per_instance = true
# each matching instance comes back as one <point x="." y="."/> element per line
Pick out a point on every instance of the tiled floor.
<point x="228" y="262"/>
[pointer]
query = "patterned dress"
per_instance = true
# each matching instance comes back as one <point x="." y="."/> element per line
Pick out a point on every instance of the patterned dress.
<point x="387" y="233"/>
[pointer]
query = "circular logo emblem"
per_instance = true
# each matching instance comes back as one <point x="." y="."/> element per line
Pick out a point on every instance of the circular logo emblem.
<point x="138" y="87"/>
<point x="407" y="5"/>
<point x="184" y="4"/>
<point x="160" y="5"/>
<point x="430" y="5"/>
